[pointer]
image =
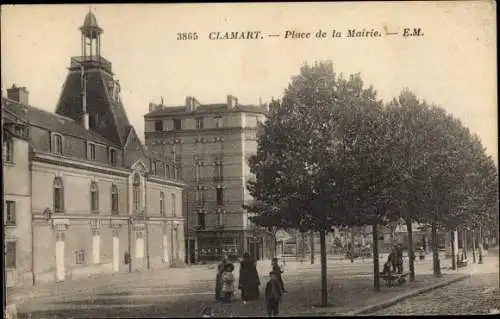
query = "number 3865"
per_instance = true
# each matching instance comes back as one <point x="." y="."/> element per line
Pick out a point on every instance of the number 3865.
<point x="187" y="36"/>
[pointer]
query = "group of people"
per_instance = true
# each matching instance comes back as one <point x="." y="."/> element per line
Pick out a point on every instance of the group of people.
<point x="394" y="261"/>
<point x="249" y="283"/>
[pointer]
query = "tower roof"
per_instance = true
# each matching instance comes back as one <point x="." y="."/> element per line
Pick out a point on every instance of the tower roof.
<point x="90" y="23"/>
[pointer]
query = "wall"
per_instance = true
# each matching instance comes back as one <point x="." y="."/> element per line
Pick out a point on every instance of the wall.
<point x="17" y="186"/>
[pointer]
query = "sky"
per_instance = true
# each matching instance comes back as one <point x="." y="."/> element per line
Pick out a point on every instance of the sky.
<point x="452" y="65"/>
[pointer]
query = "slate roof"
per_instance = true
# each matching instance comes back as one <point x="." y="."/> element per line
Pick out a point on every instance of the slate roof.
<point x="52" y="121"/>
<point x="206" y="108"/>
<point x="115" y="124"/>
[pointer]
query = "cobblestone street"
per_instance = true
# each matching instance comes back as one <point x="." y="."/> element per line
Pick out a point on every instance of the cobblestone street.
<point x="478" y="294"/>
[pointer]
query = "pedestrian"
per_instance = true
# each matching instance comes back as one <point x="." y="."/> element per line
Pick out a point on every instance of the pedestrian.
<point x="273" y="294"/>
<point x="249" y="279"/>
<point x="228" y="282"/>
<point x="218" y="281"/>
<point x="392" y="258"/>
<point x="277" y="269"/>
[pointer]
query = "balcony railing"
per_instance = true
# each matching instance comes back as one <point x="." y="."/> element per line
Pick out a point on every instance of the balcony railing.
<point x="91" y="61"/>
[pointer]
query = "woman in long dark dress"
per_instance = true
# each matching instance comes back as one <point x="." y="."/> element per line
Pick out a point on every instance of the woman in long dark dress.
<point x="249" y="279"/>
<point x="218" y="279"/>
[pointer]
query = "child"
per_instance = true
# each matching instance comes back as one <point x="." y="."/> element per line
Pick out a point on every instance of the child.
<point x="277" y="269"/>
<point x="387" y="268"/>
<point x="273" y="294"/>
<point x="228" y="282"/>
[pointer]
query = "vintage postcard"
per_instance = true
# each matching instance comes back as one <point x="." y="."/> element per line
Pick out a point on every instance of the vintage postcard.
<point x="250" y="159"/>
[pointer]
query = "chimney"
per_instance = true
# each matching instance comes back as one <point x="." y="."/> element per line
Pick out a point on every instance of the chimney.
<point x="191" y="103"/>
<point x="232" y="101"/>
<point x="18" y="94"/>
<point x="85" y="120"/>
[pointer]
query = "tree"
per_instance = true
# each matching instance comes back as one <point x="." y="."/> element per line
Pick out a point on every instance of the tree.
<point x="321" y="157"/>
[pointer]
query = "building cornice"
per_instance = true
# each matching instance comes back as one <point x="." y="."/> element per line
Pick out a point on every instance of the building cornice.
<point x="47" y="158"/>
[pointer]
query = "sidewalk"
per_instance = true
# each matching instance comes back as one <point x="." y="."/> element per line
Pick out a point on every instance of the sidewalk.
<point x="367" y="300"/>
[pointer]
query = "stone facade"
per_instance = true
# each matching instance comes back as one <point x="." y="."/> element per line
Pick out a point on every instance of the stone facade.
<point x="208" y="146"/>
<point x="88" y="197"/>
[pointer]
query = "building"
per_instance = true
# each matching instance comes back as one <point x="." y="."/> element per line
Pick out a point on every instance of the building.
<point x="82" y="194"/>
<point x="208" y="146"/>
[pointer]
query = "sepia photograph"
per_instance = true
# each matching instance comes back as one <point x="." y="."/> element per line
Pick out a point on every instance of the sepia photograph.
<point x="250" y="159"/>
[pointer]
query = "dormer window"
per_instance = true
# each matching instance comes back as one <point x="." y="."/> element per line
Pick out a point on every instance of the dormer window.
<point x="57" y="143"/>
<point x="91" y="152"/>
<point x="112" y="157"/>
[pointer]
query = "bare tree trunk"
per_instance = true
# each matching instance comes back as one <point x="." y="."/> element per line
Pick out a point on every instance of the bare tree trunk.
<point x="453" y="253"/>
<point x="435" y="252"/>
<point x="324" y="285"/>
<point x="411" y="253"/>
<point x="473" y="246"/>
<point x="312" y="247"/>
<point x="376" y="266"/>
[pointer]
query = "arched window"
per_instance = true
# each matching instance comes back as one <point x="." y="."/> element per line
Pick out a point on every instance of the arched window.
<point x="114" y="200"/>
<point x="136" y="184"/>
<point x="94" y="197"/>
<point x="58" y="195"/>
<point x="162" y="204"/>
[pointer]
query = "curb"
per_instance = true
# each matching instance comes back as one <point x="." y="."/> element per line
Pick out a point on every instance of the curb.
<point x="395" y="300"/>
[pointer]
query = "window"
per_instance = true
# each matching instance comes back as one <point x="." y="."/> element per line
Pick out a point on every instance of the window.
<point x="174" y="206"/>
<point x="58" y="195"/>
<point x="80" y="257"/>
<point x="10" y="254"/>
<point x="218" y="122"/>
<point x="94" y="197"/>
<point x="220" y="217"/>
<point x="91" y="153"/>
<point x="112" y="157"/>
<point x="201" y="220"/>
<point x="167" y="170"/>
<point x="158" y="125"/>
<point x="137" y="192"/>
<point x="197" y="197"/>
<point x="162" y="204"/>
<point x="220" y="196"/>
<point x="203" y="197"/>
<point x="199" y="122"/>
<point x="178" y="171"/>
<point x="57" y="143"/>
<point x="9" y="150"/>
<point x="197" y="169"/>
<point x="218" y="171"/>
<point x="152" y="166"/>
<point x="114" y="200"/>
<point x="10" y="213"/>
<point x="177" y="124"/>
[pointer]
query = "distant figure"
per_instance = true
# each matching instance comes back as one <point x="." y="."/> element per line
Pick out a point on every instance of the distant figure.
<point x="218" y="281"/>
<point x="207" y="312"/>
<point x="249" y="279"/>
<point x="399" y="259"/>
<point x="277" y="269"/>
<point x="228" y="282"/>
<point x="387" y="268"/>
<point x="273" y="294"/>
<point x="392" y="258"/>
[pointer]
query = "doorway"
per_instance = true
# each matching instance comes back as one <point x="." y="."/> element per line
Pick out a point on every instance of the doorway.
<point x="190" y="251"/>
